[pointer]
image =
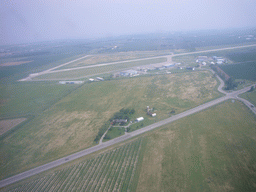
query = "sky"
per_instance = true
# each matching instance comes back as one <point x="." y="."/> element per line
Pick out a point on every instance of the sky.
<point x="23" y="21"/>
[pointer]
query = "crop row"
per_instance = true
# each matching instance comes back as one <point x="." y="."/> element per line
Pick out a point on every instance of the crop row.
<point x="110" y="171"/>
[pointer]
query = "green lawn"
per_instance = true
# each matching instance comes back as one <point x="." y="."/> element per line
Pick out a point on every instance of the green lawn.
<point x="114" y="132"/>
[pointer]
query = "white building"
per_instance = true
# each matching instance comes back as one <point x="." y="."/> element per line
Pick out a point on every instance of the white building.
<point x="99" y="78"/>
<point x="70" y="82"/>
<point x="140" y="119"/>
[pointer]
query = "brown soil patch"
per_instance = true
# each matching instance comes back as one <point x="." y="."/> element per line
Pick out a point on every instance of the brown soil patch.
<point x="6" y="125"/>
<point x="14" y="63"/>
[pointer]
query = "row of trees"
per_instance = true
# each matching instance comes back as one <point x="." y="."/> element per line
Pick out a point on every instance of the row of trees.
<point x="230" y="82"/>
<point x="102" y="130"/>
<point x="122" y="114"/>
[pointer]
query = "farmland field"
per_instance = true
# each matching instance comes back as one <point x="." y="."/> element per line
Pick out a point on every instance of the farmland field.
<point x="214" y="150"/>
<point x="73" y="122"/>
<point x="245" y="64"/>
<point x="80" y="73"/>
<point x="246" y="70"/>
<point x="110" y="171"/>
<point x="30" y="98"/>
<point x="196" y="153"/>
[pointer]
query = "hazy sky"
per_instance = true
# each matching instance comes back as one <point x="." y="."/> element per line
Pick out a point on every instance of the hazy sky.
<point x="35" y="20"/>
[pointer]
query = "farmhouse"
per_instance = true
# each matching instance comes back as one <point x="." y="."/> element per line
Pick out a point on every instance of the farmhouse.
<point x="139" y="119"/>
<point x="119" y="121"/>
<point x="151" y="114"/>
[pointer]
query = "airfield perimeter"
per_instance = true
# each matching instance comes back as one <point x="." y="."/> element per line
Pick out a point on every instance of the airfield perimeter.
<point x="232" y="95"/>
<point x="53" y="70"/>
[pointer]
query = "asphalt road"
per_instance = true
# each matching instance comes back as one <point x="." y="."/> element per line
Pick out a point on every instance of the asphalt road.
<point x="29" y="173"/>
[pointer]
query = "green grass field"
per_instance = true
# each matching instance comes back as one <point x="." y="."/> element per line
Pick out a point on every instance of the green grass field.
<point x="30" y="98"/>
<point x="196" y="153"/>
<point x="80" y="73"/>
<point x="213" y="150"/>
<point x="73" y="122"/>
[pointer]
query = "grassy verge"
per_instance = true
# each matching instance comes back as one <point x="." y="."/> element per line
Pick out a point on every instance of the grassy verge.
<point x="250" y="96"/>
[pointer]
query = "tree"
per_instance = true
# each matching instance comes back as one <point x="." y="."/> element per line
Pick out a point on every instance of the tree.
<point x="107" y="137"/>
<point x="132" y="111"/>
<point x="231" y="84"/>
<point x="252" y="89"/>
